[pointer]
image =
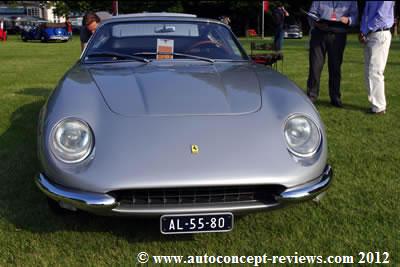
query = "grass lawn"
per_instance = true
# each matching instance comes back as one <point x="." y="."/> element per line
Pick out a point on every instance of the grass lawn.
<point x="360" y="213"/>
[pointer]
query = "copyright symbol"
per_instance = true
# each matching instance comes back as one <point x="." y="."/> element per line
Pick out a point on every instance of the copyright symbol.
<point x="142" y="257"/>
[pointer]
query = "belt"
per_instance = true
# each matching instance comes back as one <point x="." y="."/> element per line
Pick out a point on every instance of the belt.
<point x="380" y="30"/>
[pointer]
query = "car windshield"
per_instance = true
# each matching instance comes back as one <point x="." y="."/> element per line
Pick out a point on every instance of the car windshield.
<point x="165" y="40"/>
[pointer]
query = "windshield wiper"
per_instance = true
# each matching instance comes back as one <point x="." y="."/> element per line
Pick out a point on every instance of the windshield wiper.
<point x="178" y="55"/>
<point x="117" y="55"/>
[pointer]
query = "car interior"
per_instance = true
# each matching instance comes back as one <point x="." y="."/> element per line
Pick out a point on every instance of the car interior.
<point x="210" y="42"/>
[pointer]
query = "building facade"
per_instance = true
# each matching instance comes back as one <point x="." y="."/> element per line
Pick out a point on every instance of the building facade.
<point x="25" y="10"/>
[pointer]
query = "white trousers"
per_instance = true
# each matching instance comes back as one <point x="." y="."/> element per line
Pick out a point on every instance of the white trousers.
<point x="376" y="52"/>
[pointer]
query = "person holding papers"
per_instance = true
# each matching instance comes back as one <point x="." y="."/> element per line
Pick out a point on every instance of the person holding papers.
<point x="331" y="21"/>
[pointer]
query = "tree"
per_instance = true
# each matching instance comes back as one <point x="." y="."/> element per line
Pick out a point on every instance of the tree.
<point x="64" y="8"/>
<point x="244" y="14"/>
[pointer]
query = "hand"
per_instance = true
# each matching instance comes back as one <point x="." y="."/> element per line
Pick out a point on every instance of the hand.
<point x="345" y="20"/>
<point x="284" y="11"/>
<point x="362" y="38"/>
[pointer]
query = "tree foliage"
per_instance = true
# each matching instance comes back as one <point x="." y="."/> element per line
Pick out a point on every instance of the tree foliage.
<point x="244" y="14"/>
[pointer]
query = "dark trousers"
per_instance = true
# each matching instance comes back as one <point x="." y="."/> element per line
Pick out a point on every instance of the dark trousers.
<point x="323" y="43"/>
<point x="278" y="38"/>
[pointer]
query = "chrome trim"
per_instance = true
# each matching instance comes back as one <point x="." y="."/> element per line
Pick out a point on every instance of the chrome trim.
<point x="58" y="38"/>
<point x="154" y="14"/>
<point x="105" y="204"/>
<point x="156" y="211"/>
<point x="82" y="200"/>
<point x="309" y="190"/>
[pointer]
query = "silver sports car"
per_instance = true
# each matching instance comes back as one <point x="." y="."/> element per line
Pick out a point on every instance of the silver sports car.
<point x="165" y="115"/>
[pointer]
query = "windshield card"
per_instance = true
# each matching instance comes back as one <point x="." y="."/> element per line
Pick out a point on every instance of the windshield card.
<point x="165" y="49"/>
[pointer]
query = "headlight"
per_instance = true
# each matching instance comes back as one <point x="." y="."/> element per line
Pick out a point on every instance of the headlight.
<point x="71" y="140"/>
<point x="302" y="136"/>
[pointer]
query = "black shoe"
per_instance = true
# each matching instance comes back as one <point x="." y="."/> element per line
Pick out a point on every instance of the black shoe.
<point x="312" y="98"/>
<point x="337" y="103"/>
<point x="371" y="112"/>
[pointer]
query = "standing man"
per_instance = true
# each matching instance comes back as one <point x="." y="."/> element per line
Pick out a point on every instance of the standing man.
<point x="378" y="18"/>
<point x="226" y="20"/>
<point x="329" y="36"/>
<point x="68" y="26"/>
<point x="279" y="14"/>
<point x="3" y="32"/>
<point x="90" y="23"/>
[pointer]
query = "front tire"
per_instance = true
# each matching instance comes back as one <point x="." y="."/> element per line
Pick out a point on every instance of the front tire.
<point x="55" y="207"/>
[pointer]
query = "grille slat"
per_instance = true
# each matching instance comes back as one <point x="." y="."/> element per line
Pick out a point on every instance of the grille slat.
<point x="197" y="196"/>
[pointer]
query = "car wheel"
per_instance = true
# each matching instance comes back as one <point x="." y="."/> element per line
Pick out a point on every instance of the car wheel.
<point x="43" y="39"/>
<point x="319" y="198"/>
<point x="56" y="208"/>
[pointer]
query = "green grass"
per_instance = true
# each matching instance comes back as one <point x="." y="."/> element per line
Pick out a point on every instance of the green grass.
<point x="360" y="213"/>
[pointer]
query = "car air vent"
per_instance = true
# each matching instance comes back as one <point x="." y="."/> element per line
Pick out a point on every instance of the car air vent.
<point x="198" y="196"/>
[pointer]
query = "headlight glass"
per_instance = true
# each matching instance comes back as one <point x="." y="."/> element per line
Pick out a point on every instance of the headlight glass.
<point x="302" y="136"/>
<point x="72" y="140"/>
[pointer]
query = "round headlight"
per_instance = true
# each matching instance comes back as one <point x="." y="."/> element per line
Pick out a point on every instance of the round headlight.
<point x="72" y="140"/>
<point x="302" y="136"/>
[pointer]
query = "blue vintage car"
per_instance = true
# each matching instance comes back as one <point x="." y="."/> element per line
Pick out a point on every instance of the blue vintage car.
<point x="46" y="32"/>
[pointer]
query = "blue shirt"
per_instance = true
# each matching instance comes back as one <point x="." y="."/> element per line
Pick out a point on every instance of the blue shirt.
<point x="325" y="10"/>
<point x="377" y="15"/>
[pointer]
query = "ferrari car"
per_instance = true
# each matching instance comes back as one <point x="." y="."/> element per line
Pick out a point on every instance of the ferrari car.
<point x="165" y="115"/>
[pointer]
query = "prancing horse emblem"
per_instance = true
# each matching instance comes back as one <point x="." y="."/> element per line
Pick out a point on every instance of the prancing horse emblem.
<point x="195" y="149"/>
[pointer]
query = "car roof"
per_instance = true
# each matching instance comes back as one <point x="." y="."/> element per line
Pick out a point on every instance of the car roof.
<point x="157" y="14"/>
<point x="164" y="16"/>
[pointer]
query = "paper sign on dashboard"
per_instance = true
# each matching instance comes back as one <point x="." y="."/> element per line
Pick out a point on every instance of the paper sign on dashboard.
<point x="165" y="49"/>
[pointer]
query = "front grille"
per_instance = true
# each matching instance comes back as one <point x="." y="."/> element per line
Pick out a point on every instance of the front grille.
<point x="197" y="196"/>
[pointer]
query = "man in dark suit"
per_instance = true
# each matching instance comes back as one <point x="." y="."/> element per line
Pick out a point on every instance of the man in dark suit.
<point x="328" y="37"/>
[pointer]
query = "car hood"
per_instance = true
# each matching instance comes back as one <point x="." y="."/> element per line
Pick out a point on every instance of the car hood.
<point x="178" y="88"/>
<point x="155" y="151"/>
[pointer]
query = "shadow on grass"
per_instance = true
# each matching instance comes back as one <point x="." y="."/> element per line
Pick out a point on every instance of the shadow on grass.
<point x="25" y="207"/>
<point x="35" y="92"/>
<point x="346" y="106"/>
<point x="36" y="42"/>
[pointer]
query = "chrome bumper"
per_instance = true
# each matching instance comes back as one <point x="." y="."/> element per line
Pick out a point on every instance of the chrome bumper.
<point x="107" y="204"/>
<point x="62" y="38"/>
<point x="79" y="199"/>
<point x="308" y="190"/>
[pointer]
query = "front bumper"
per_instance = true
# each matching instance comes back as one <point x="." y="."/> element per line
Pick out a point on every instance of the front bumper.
<point x="293" y="36"/>
<point x="106" y="204"/>
<point x="59" y="38"/>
